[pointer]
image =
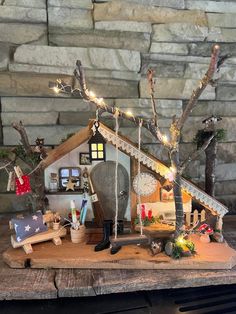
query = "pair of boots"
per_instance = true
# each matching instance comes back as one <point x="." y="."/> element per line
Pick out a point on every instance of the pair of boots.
<point x="107" y="232"/>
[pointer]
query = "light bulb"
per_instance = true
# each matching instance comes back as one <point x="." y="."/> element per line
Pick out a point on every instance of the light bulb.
<point x="164" y="139"/>
<point x="129" y="113"/>
<point x="56" y="89"/>
<point x="91" y="94"/>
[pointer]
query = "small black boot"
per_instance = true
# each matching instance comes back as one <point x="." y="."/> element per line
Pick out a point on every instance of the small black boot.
<point x="107" y="232"/>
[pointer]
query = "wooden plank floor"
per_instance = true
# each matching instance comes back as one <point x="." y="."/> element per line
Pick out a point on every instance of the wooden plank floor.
<point x="48" y="284"/>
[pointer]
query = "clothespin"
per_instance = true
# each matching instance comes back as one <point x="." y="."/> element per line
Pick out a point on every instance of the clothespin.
<point x="19" y="174"/>
<point x="9" y="181"/>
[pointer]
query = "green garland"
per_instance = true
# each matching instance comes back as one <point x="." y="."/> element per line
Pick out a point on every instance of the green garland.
<point x="203" y="135"/>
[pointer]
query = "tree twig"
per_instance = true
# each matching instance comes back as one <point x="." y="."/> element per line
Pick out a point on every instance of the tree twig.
<point x="202" y="85"/>
<point x="152" y="91"/>
<point x="24" y="138"/>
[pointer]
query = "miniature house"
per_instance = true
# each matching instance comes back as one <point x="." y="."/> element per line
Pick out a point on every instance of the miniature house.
<point x="73" y="153"/>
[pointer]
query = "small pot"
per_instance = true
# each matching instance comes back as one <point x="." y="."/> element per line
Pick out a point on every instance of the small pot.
<point x="55" y="225"/>
<point x="78" y="236"/>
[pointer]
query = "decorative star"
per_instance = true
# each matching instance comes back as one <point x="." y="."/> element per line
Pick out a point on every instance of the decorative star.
<point x="37" y="229"/>
<point x="70" y="185"/>
<point x="18" y="239"/>
<point x="27" y="228"/>
<point x="35" y="217"/>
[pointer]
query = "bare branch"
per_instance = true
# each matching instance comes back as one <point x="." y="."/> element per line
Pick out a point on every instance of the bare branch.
<point x="152" y="91"/>
<point x="193" y="155"/>
<point x="24" y="137"/>
<point x="202" y="85"/>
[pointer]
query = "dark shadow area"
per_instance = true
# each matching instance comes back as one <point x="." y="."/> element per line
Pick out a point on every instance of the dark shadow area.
<point x="202" y="300"/>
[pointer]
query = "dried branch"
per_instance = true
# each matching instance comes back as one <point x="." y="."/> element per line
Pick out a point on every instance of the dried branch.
<point x="193" y="155"/>
<point x="202" y="85"/>
<point x="24" y="137"/>
<point x="152" y="92"/>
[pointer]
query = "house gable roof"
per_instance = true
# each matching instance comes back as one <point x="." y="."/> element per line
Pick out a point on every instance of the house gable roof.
<point x="131" y="149"/>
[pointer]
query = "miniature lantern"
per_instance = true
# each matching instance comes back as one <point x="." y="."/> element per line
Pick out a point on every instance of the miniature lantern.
<point x="97" y="145"/>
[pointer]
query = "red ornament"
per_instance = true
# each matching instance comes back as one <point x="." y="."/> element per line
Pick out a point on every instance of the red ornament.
<point x="24" y="188"/>
<point x="143" y="214"/>
<point x="77" y="214"/>
<point x="150" y="214"/>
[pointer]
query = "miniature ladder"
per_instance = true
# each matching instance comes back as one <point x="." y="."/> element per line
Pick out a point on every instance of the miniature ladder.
<point x="116" y="242"/>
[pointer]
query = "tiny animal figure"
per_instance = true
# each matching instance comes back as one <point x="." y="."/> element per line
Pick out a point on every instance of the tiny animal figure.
<point x="156" y="247"/>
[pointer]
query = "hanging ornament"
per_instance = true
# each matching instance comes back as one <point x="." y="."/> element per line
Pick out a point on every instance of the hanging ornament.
<point x="22" y="182"/>
<point x="23" y="188"/>
<point x="97" y="143"/>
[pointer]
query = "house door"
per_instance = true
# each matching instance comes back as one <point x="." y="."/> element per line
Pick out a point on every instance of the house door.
<point x="103" y="178"/>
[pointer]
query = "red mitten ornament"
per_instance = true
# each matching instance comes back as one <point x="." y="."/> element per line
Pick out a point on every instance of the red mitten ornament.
<point x="24" y="188"/>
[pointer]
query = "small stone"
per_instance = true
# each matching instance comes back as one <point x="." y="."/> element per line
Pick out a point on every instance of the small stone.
<point x="221" y="20"/>
<point x="169" y="48"/>
<point x="20" y="14"/>
<point x="176" y="32"/>
<point x="125" y="11"/>
<point x="212" y="6"/>
<point x="159" y="3"/>
<point x="217" y="34"/>
<point x="16" y="33"/>
<point x="102" y="58"/>
<point x="32" y="118"/>
<point x="41" y="4"/>
<point x="72" y="18"/>
<point x="127" y="26"/>
<point x="218" y="237"/>
<point x="175" y="89"/>
<point x="72" y="4"/>
<point x="169" y="248"/>
<point x="73" y="118"/>
<point x="4" y="57"/>
<point x="204" y="49"/>
<point x="103" y="39"/>
<point x="226" y="93"/>
<point x="218" y="108"/>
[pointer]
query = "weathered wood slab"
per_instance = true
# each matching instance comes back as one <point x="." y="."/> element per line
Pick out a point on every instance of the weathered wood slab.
<point x="27" y="284"/>
<point x="69" y="255"/>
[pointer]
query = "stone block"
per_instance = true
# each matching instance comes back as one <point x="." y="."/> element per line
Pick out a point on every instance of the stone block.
<point x="177" y="32"/>
<point x="41" y="4"/>
<point x="4" y="57"/>
<point x="91" y="58"/>
<point x="175" y="89"/>
<point x="226" y="92"/>
<point x="30" y="104"/>
<point x="159" y="3"/>
<point x="20" y="14"/>
<point x="174" y="59"/>
<point x="69" y="70"/>
<point x="197" y="71"/>
<point x="72" y="4"/>
<point x="126" y="11"/>
<point x="52" y="134"/>
<point x="169" y="48"/>
<point x="219" y="108"/>
<point x="229" y="201"/>
<point x="124" y="26"/>
<point x="69" y="18"/>
<point x="217" y="34"/>
<point x="102" y="39"/>
<point x="32" y="118"/>
<point x="132" y="134"/>
<point x="221" y="20"/>
<point x="226" y="152"/>
<point x="76" y="118"/>
<point x="163" y="69"/>
<point x="192" y="170"/>
<point x="16" y="84"/>
<point x="165" y="108"/>
<point x="225" y="187"/>
<point x="212" y="6"/>
<point x="225" y="172"/>
<point x="204" y="49"/>
<point x="16" y="33"/>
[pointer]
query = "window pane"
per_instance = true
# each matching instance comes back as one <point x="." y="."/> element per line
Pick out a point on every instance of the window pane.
<point x="100" y="146"/>
<point x="94" y="146"/>
<point x="100" y="155"/>
<point x="75" y="172"/>
<point x="94" y="155"/>
<point x="64" y="172"/>
<point x="64" y="182"/>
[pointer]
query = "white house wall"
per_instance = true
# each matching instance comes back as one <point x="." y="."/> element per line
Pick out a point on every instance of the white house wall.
<point x="61" y="203"/>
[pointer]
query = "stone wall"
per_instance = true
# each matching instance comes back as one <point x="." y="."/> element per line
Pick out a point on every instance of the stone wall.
<point x="117" y="41"/>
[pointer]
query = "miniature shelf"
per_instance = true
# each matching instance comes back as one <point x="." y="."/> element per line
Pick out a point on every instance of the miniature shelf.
<point x="64" y="193"/>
